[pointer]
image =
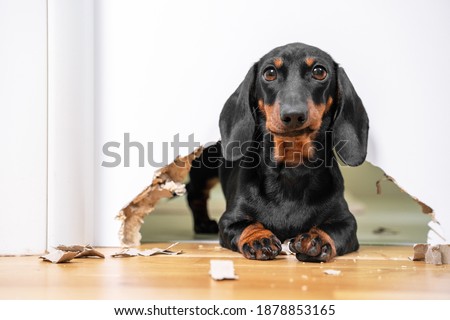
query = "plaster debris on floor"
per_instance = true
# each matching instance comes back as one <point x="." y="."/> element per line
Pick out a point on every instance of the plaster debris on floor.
<point x="222" y="270"/>
<point x="332" y="272"/>
<point x="432" y="254"/>
<point x="133" y="252"/>
<point x="63" y="253"/>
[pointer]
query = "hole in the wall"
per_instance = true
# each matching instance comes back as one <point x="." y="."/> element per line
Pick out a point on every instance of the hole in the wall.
<point x="391" y="217"/>
<point x="386" y="214"/>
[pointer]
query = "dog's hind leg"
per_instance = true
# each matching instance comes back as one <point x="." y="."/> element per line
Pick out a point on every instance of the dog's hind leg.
<point x="204" y="175"/>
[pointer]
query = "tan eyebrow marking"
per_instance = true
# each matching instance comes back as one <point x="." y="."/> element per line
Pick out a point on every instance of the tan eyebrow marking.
<point x="278" y="62"/>
<point x="310" y="61"/>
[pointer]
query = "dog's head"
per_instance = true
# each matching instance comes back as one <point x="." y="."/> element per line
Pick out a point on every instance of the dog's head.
<point x="294" y="88"/>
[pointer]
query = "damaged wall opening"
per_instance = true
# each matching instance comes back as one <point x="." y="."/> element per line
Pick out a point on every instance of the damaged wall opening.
<point x="140" y="107"/>
<point x="391" y="217"/>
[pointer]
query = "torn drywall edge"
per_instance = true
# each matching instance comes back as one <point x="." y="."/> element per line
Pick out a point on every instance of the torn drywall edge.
<point x="436" y="233"/>
<point x="425" y="208"/>
<point x="166" y="183"/>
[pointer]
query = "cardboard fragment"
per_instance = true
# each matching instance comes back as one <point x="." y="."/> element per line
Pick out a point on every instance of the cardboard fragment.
<point x="438" y="254"/>
<point x="151" y="252"/>
<point x="125" y="253"/>
<point x="222" y="270"/>
<point x="73" y="248"/>
<point x="132" y="252"/>
<point x="167" y="182"/>
<point x="59" y="256"/>
<point x="432" y="254"/>
<point x="90" y="253"/>
<point x="332" y="272"/>
<point x="82" y="251"/>
<point x="420" y="250"/>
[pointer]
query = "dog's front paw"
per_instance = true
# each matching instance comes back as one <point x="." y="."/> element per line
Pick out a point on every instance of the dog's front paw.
<point x="262" y="248"/>
<point x="313" y="246"/>
<point x="258" y="243"/>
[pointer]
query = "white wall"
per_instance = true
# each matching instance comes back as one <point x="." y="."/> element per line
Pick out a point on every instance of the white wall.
<point x="23" y="126"/>
<point x="71" y="122"/>
<point x="154" y="69"/>
<point x="167" y="67"/>
<point x="405" y="88"/>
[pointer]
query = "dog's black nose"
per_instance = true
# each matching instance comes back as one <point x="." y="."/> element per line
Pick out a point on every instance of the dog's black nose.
<point x="293" y="118"/>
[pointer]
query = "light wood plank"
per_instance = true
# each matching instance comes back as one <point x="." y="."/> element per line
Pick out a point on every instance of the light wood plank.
<point x="372" y="273"/>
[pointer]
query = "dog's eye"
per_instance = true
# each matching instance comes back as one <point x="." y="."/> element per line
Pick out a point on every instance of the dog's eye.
<point x="270" y="74"/>
<point x="319" y="73"/>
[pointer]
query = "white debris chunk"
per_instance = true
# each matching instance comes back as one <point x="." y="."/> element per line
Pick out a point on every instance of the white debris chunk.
<point x="222" y="270"/>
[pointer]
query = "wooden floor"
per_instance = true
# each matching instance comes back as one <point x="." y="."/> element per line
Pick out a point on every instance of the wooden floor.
<point x="372" y="273"/>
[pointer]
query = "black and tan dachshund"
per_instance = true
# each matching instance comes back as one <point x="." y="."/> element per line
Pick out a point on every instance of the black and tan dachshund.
<point x="280" y="133"/>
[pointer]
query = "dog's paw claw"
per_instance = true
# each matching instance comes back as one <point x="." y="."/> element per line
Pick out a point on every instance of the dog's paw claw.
<point x="314" y="246"/>
<point x="262" y="249"/>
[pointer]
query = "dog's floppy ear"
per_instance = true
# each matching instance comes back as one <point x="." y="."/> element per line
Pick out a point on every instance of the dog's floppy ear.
<point x="237" y="122"/>
<point x="351" y="124"/>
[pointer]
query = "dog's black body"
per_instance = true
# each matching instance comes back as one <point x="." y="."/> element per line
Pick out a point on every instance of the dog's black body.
<point x="294" y="106"/>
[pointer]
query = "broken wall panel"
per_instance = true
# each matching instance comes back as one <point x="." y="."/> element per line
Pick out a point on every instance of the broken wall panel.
<point x="167" y="183"/>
